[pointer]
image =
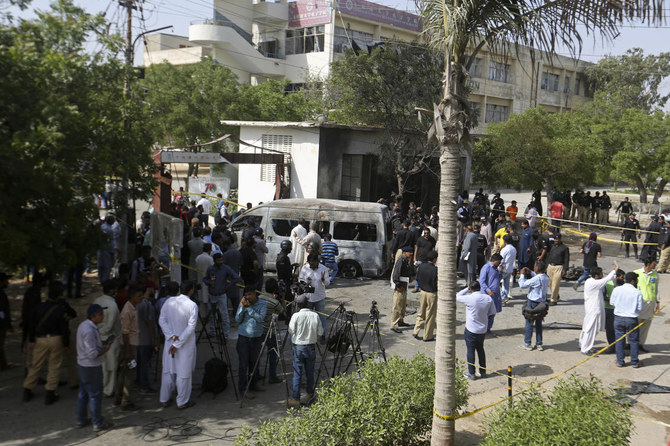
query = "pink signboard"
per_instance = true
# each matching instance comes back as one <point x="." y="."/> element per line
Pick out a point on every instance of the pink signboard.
<point x="304" y="13"/>
<point x="380" y="13"/>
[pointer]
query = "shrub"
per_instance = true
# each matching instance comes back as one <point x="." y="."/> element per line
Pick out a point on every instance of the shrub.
<point x="578" y="412"/>
<point x="382" y="404"/>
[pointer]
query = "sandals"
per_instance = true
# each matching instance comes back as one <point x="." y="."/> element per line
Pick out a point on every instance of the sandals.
<point x="186" y="406"/>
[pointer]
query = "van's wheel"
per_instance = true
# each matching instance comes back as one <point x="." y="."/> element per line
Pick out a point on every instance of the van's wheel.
<point x="350" y="269"/>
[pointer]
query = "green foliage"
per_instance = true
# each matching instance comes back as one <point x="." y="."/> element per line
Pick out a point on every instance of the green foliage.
<point x="63" y="127"/>
<point x="383" y="404"/>
<point x="537" y="150"/>
<point x="631" y="80"/>
<point x="578" y="412"/>
<point x="268" y="101"/>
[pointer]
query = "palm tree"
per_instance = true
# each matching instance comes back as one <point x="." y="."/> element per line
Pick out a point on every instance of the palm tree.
<point x="462" y="28"/>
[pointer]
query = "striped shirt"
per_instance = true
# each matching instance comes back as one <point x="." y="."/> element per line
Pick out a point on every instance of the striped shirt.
<point x="329" y="251"/>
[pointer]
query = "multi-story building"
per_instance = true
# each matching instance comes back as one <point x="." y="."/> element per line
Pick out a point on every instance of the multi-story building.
<point x="295" y="40"/>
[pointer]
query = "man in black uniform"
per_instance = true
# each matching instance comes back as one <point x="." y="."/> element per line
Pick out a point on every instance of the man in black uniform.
<point x="284" y="268"/>
<point x="48" y="338"/>
<point x="605" y="207"/>
<point x="404" y="237"/>
<point x="626" y="208"/>
<point x="426" y="274"/>
<point x="649" y="251"/>
<point x="482" y="244"/>
<point x="630" y="231"/>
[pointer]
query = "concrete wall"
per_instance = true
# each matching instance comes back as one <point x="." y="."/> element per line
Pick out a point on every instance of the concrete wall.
<point x="304" y="171"/>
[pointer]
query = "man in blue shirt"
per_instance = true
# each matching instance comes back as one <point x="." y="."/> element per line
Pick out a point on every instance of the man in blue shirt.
<point x="329" y="252"/>
<point x="538" y="288"/>
<point x="627" y="302"/>
<point x="250" y="315"/>
<point x="220" y="278"/>
<point x="489" y="280"/>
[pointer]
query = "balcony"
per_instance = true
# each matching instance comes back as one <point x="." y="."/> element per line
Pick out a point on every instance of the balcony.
<point x="270" y="12"/>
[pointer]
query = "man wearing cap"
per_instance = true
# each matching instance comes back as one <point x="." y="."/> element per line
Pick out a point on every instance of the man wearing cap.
<point x="110" y="326"/>
<point x="559" y="262"/>
<point x="630" y="231"/>
<point x="424" y="245"/>
<point x="329" y="253"/>
<point x="178" y="319"/>
<point x="627" y="302"/>
<point x="426" y="276"/>
<point x="626" y="208"/>
<point x="305" y="326"/>
<point x="401" y="277"/>
<point x="90" y="356"/>
<point x="5" y="320"/>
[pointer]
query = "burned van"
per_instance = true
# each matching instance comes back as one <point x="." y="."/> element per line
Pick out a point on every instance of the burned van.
<point x="362" y="231"/>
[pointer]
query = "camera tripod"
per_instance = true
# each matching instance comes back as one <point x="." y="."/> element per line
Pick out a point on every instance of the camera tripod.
<point x="341" y="337"/>
<point x="375" y="345"/>
<point x="218" y="336"/>
<point x="272" y="332"/>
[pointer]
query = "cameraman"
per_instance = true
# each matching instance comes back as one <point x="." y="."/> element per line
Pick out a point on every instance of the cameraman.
<point x="275" y="304"/>
<point x="316" y="275"/>
<point x="284" y="267"/>
<point x="250" y="315"/>
<point x="220" y="278"/>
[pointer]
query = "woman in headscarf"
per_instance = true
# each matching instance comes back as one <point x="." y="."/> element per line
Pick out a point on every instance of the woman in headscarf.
<point x="591" y="250"/>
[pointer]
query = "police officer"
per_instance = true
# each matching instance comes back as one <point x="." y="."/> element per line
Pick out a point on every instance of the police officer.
<point x="482" y="244"/>
<point x="284" y="268"/>
<point x="654" y="228"/>
<point x="630" y="231"/>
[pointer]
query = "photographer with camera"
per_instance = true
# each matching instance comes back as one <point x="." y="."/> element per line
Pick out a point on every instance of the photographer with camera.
<point x="250" y="315"/>
<point x="220" y="278"/>
<point x="316" y="276"/>
<point x="304" y="327"/>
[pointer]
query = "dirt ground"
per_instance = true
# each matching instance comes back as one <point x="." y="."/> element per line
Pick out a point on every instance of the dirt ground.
<point x="214" y="420"/>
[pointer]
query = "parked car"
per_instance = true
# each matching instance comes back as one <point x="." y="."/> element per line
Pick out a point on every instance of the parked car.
<point x="362" y="231"/>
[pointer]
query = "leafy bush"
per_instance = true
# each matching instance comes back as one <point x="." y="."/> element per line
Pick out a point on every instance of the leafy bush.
<point x="578" y="412"/>
<point x="383" y="404"/>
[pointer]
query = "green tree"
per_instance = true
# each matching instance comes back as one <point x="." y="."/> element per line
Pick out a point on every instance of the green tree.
<point x="631" y="80"/>
<point x="269" y="101"/>
<point x="62" y="130"/>
<point x="185" y="104"/>
<point x="384" y="88"/>
<point x="461" y="30"/>
<point x="537" y="150"/>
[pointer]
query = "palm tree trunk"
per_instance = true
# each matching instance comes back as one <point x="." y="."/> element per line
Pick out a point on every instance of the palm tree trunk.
<point x="445" y="347"/>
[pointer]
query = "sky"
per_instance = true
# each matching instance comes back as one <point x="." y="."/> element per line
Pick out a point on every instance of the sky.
<point x="180" y="13"/>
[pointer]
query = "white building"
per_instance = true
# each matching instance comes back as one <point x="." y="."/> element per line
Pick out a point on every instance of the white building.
<point x="294" y="40"/>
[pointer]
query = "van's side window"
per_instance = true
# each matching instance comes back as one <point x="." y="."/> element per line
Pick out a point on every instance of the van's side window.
<point x="362" y="232"/>
<point x="241" y="223"/>
<point x="324" y="227"/>
<point x="283" y="228"/>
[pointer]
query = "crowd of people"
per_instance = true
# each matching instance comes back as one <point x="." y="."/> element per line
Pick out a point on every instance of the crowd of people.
<point x="141" y="312"/>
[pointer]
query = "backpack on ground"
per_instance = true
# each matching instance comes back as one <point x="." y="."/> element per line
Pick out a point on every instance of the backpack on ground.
<point x="216" y="376"/>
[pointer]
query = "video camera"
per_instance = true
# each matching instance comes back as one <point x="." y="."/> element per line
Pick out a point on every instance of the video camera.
<point x="302" y="287"/>
<point x="374" y="311"/>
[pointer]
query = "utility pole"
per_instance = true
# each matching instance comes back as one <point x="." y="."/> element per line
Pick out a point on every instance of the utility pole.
<point x="129" y="5"/>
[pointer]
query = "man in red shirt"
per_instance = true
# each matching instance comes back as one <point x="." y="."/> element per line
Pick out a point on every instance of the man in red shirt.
<point x="512" y="210"/>
<point x="556" y="210"/>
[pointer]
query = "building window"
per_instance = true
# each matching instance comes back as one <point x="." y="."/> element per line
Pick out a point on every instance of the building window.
<point x="577" y="84"/>
<point x="566" y="84"/>
<point x="279" y="143"/>
<point x="305" y="40"/>
<point x="496" y="113"/>
<point x="342" y="40"/>
<point x="352" y="172"/>
<point x="549" y="81"/>
<point x="476" y="68"/>
<point x="498" y="71"/>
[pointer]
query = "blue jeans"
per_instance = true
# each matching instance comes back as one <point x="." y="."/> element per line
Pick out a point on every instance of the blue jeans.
<point x="621" y="326"/>
<point x="248" y="350"/>
<point x="583" y="277"/>
<point x="475" y="343"/>
<point x="529" y="328"/>
<point x="143" y="359"/>
<point x="332" y="266"/>
<point x="320" y="308"/>
<point x="221" y="302"/>
<point x="90" y="394"/>
<point x="304" y="357"/>
<point x="504" y="290"/>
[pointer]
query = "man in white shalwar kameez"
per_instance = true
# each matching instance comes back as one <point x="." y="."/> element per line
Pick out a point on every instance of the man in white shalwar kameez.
<point x="297" y="234"/>
<point x="178" y="319"/>
<point x="594" y="307"/>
